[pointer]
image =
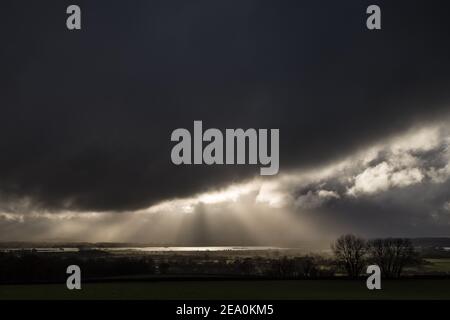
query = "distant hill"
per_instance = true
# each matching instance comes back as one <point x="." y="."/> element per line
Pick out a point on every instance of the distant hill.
<point x="431" y="242"/>
<point x="417" y="242"/>
<point x="64" y="244"/>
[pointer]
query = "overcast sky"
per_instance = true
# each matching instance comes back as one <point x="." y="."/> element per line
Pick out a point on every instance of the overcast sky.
<point x="86" y="118"/>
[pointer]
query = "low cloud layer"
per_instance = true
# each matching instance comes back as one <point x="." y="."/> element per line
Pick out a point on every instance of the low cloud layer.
<point x="398" y="187"/>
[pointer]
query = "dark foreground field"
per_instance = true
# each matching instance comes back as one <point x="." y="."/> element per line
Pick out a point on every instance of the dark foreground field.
<point x="256" y="289"/>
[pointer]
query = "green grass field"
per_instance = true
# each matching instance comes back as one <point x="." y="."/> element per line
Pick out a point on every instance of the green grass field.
<point x="438" y="265"/>
<point x="258" y="289"/>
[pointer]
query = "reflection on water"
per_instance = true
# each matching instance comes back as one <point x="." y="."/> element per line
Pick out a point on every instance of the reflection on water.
<point x="147" y="249"/>
<point x="224" y="248"/>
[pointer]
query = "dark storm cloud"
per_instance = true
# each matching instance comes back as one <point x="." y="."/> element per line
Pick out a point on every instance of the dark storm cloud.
<point x="86" y="116"/>
<point x="415" y="211"/>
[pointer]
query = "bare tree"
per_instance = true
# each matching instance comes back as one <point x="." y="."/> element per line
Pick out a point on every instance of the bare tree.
<point x="283" y="267"/>
<point x="392" y="255"/>
<point x="350" y="252"/>
<point x="306" y="267"/>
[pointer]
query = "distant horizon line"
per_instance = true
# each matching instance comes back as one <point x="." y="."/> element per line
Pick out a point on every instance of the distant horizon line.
<point x="194" y="245"/>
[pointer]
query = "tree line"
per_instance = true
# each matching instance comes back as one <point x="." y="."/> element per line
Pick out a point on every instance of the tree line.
<point x="392" y="255"/>
<point x="351" y="254"/>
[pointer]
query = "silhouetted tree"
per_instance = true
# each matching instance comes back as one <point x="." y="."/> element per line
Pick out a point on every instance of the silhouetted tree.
<point x="245" y="266"/>
<point x="282" y="268"/>
<point x="164" y="267"/>
<point x="306" y="267"/>
<point x="392" y="255"/>
<point x="350" y="252"/>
